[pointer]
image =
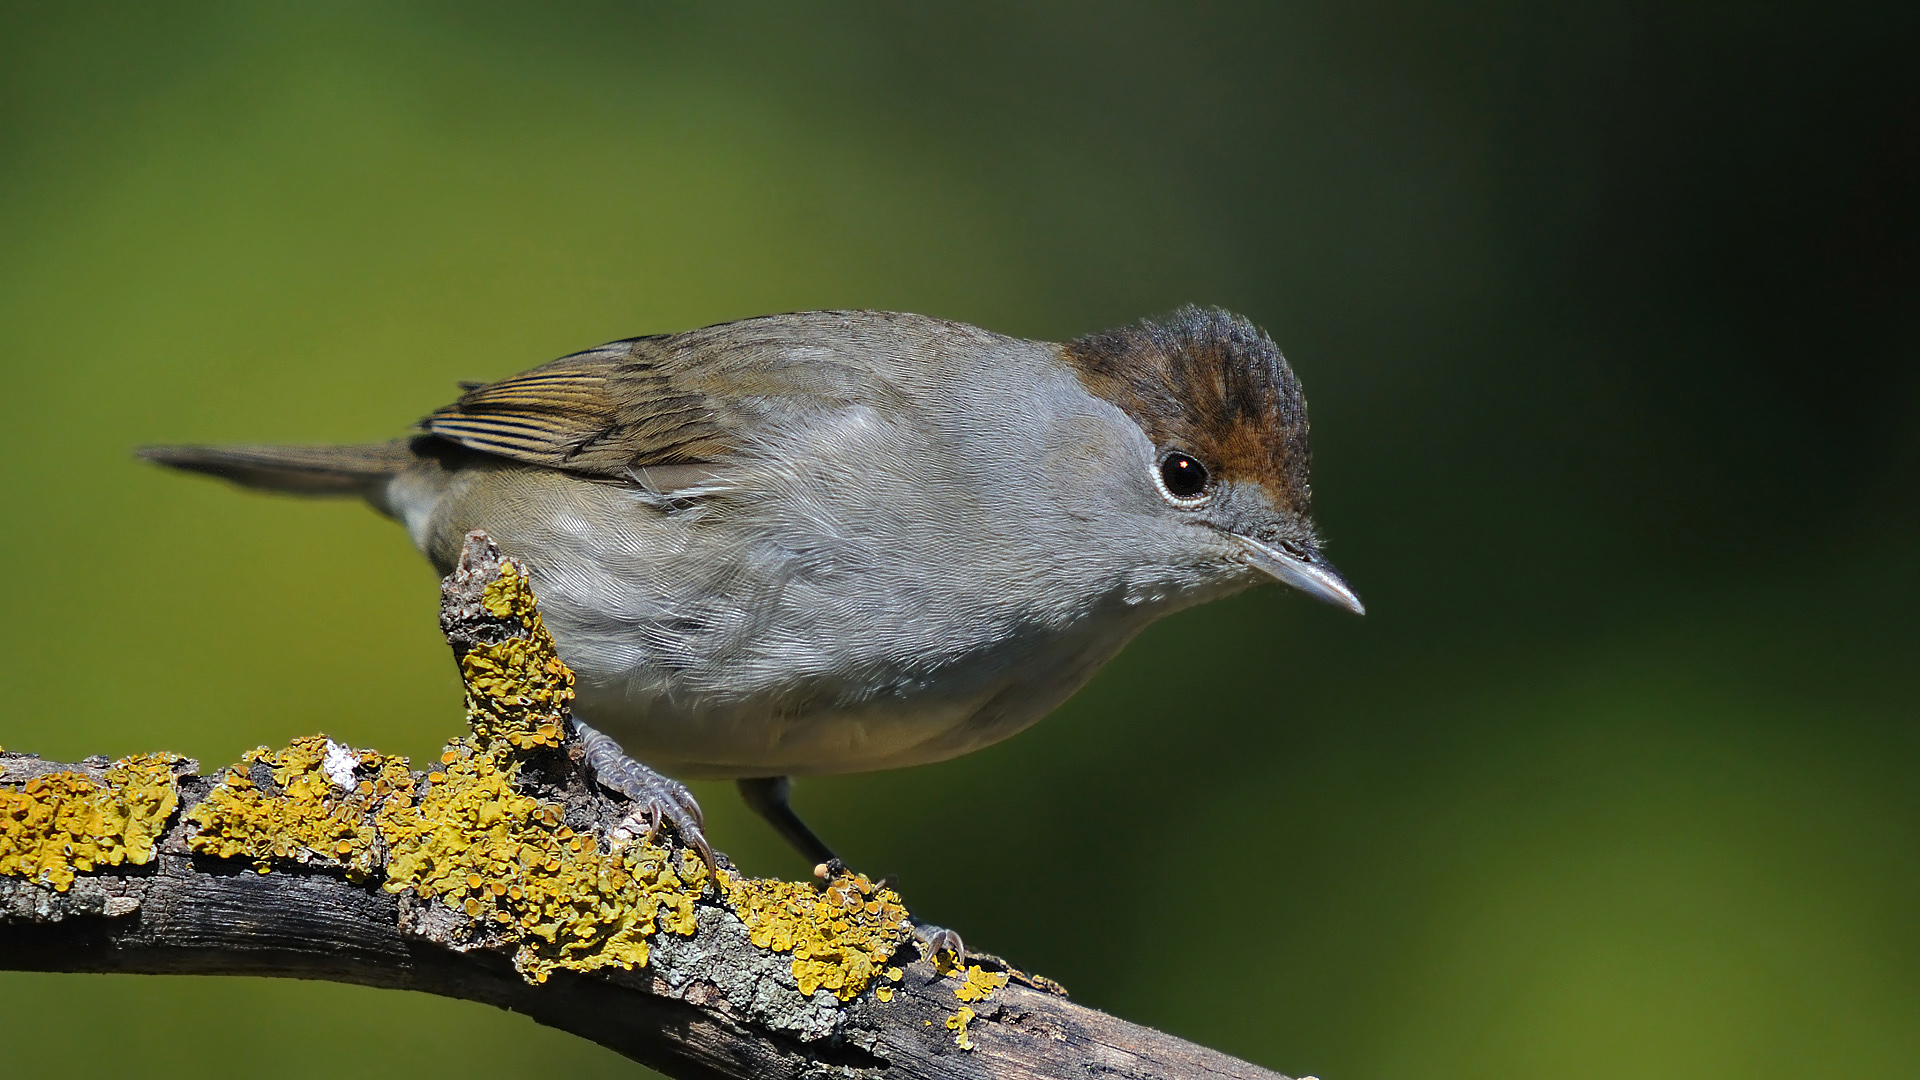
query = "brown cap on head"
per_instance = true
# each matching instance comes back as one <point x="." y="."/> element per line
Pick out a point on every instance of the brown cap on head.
<point x="1211" y="384"/>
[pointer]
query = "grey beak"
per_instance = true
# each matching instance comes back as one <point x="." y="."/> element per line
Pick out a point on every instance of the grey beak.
<point x="1312" y="575"/>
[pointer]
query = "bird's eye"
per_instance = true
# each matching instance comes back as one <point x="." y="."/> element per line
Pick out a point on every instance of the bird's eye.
<point x="1184" y="479"/>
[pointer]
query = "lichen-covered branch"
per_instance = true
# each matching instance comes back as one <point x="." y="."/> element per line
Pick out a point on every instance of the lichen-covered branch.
<point x="494" y="876"/>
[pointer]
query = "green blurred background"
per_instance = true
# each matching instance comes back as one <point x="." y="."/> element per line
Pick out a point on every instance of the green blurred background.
<point x="1607" y="312"/>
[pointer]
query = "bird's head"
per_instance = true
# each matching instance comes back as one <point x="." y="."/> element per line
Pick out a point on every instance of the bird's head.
<point x="1228" y="428"/>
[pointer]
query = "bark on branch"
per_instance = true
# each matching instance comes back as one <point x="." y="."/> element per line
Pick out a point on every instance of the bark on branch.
<point x="495" y="877"/>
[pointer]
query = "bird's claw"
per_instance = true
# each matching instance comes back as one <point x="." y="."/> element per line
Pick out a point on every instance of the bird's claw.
<point x="936" y="940"/>
<point x="656" y="800"/>
<point x="673" y="807"/>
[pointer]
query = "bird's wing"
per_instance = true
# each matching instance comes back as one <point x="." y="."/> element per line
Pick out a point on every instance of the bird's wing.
<point x="603" y="412"/>
<point x="676" y="400"/>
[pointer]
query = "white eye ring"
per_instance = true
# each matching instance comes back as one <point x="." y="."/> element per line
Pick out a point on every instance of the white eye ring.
<point x="1182" y="480"/>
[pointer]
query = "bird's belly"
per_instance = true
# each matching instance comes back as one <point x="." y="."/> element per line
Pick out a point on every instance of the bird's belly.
<point x="749" y="738"/>
<point x="806" y="729"/>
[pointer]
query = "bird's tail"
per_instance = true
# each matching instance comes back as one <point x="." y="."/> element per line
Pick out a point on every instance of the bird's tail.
<point x="300" y="470"/>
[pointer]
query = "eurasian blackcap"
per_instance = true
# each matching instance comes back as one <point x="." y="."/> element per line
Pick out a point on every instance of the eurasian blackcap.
<point x="837" y="541"/>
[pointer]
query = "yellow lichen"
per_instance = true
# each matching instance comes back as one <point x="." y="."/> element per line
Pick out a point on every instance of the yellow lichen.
<point x="504" y="858"/>
<point x="518" y="690"/>
<point x="306" y="815"/>
<point x="979" y="984"/>
<point x="840" y="936"/>
<point x="62" y="824"/>
<point x="957" y="1023"/>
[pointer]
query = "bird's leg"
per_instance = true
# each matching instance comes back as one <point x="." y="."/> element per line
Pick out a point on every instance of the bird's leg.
<point x="771" y="798"/>
<point x="656" y="799"/>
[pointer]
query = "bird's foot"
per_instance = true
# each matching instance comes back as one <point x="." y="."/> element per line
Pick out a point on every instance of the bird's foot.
<point x="941" y="946"/>
<point x="656" y="800"/>
<point x="949" y="956"/>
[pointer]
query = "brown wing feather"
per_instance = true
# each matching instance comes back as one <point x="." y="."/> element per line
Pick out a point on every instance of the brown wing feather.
<point x="691" y="399"/>
<point x="603" y="412"/>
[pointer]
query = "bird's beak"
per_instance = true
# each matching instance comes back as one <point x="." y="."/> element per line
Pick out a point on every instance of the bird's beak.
<point x="1311" y="574"/>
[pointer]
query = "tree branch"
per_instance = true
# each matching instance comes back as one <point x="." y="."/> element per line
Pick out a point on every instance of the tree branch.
<point x="496" y="877"/>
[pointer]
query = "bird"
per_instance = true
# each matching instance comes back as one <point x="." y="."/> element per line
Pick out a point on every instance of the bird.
<point x="841" y="541"/>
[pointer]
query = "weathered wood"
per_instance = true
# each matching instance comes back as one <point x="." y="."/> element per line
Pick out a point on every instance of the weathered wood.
<point x="706" y="1004"/>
